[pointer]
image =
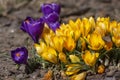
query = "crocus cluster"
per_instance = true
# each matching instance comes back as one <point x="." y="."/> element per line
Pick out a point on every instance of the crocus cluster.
<point x="77" y="46"/>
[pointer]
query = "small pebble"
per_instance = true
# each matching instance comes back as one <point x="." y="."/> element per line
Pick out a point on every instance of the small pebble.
<point x="109" y="78"/>
<point x="106" y="1"/>
<point x="22" y="68"/>
<point x="106" y="62"/>
<point x="110" y="73"/>
<point x="19" y="76"/>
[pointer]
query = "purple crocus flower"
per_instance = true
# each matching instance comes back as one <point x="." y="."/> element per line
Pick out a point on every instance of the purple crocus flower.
<point x="20" y="55"/>
<point x="51" y="15"/>
<point x="33" y="27"/>
<point x="50" y="8"/>
<point x="52" y="20"/>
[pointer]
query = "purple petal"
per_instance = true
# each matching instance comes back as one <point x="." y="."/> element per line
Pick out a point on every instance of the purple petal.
<point x="25" y="23"/>
<point x="52" y="18"/>
<point x="54" y="26"/>
<point x="29" y="19"/>
<point x="56" y="8"/>
<point x="35" y="31"/>
<point x="50" y="8"/>
<point x="46" y="9"/>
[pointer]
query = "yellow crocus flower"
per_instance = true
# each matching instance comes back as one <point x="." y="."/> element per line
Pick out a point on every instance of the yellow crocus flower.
<point x="58" y="43"/>
<point x="69" y="31"/>
<point x="40" y="47"/>
<point x="72" y="69"/>
<point x="80" y="76"/>
<point x="47" y="34"/>
<point x="116" y="35"/>
<point x="62" y="57"/>
<point x="74" y="59"/>
<point x="90" y="58"/>
<point x="69" y="43"/>
<point x="85" y="27"/>
<point x="95" y="41"/>
<point x="50" y="55"/>
<point x="102" y="26"/>
<point x="78" y="22"/>
<point x="113" y="25"/>
<point x="75" y="26"/>
<point x="92" y="22"/>
<point x="116" y="40"/>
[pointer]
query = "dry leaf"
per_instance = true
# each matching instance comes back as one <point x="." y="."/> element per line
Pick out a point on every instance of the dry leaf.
<point x="48" y="75"/>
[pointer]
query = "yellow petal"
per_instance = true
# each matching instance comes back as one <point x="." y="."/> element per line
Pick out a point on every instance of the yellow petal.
<point x="74" y="59"/>
<point x="62" y="57"/>
<point x="48" y="75"/>
<point x="58" y="43"/>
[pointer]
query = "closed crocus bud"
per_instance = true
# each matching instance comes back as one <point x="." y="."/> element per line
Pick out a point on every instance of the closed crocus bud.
<point x="50" y="8"/>
<point x="33" y="27"/>
<point x="74" y="59"/>
<point x="62" y="57"/>
<point x="90" y="58"/>
<point x="52" y="21"/>
<point x="40" y="47"/>
<point x="51" y="15"/>
<point x="75" y="27"/>
<point x="116" y="35"/>
<point x="50" y="55"/>
<point x="80" y="76"/>
<point x="58" y="43"/>
<point x="69" y="44"/>
<point x="20" y="55"/>
<point x="85" y="27"/>
<point x="72" y="69"/>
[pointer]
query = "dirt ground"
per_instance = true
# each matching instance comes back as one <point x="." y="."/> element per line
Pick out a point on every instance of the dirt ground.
<point x="12" y="12"/>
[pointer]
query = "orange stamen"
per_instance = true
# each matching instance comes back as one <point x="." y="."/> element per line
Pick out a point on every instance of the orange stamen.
<point x="18" y="54"/>
<point x="27" y="20"/>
